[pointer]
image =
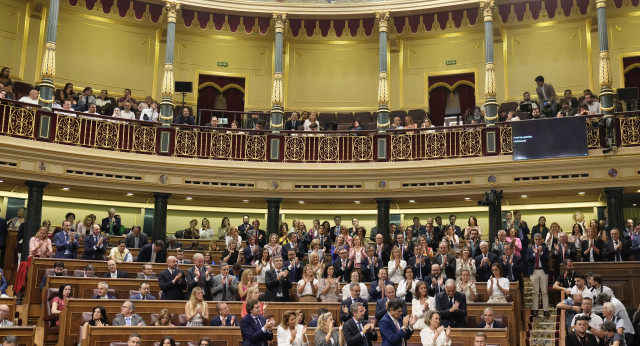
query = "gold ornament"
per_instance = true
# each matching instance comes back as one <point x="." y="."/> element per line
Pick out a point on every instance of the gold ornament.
<point x="279" y="19"/>
<point x="490" y="80"/>
<point x="172" y="7"/>
<point x="487" y="10"/>
<point x="383" y="20"/>
<point x="278" y="94"/>
<point x="49" y="61"/>
<point x="605" y="69"/>
<point x="601" y="3"/>
<point x="167" y="81"/>
<point x="383" y="89"/>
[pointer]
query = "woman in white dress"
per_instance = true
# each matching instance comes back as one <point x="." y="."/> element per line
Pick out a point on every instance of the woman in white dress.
<point x="465" y="262"/>
<point x="206" y="232"/>
<point x="467" y="286"/>
<point x="264" y="264"/>
<point x="233" y="235"/>
<point x="313" y="118"/>
<point x="396" y="266"/>
<point x="407" y="286"/>
<point x="497" y="286"/>
<point x="421" y="304"/>
<point x="434" y="334"/>
<point x="290" y="333"/>
<point x="355" y="278"/>
<point x="308" y="286"/>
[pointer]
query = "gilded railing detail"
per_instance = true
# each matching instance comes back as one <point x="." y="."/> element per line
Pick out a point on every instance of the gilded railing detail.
<point x="21" y="121"/>
<point x="362" y="148"/>
<point x="329" y="148"/>
<point x="107" y="134"/>
<point x="401" y="147"/>
<point x="470" y="143"/>
<point x="221" y="145"/>
<point x="630" y="131"/>
<point x="144" y="139"/>
<point x="294" y="149"/>
<point x="186" y="143"/>
<point x="435" y="145"/>
<point x="593" y="134"/>
<point x="506" y="141"/>
<point x="256" y="147"/>
<point x="68" y="130"/>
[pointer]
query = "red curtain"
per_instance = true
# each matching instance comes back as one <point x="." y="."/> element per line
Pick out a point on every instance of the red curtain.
<point x="207" y="95"/>
<point x="438" y="104"/>
<point x="467" y="97"/>
<point x="632" y="78"/>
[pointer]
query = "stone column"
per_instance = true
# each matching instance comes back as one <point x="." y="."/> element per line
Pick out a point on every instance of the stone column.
<point x="277" y="96"/>
<point x="273" y="216"/>
<point x="166" y="105"/>
<point x="495" y="215"/>
<point x="615" y="217"/>
<point x="160" y="217"/>
<point x="491" y="104"/>
<point x="383" y="219"/>
<point x="47" y="88"/>
<point x="33" y="217"/>
<point x="383" y="79"/>
<point x="606" y="93"/>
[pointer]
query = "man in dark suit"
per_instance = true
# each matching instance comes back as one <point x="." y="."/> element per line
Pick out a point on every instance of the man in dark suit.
<point x="111" y="224"/>
<point x="511" y="264"/>
<point x="113" y="272"/>
<point x="498" y="245"/>
<point x="616" y="249"/>
<point x="435" y="281"/>
<point x="418" y="229"/>
<point x="143" y="294"/>
<point x="452" y="306"/>
<point x="484" y="261"/>
<point x="199" y="275"/>
<point x="593" y="247"/>
<point x="324" y="238"/>
<point x="103" y="289"/>
<point x="255" y="329"/>
<point x="294" y="245"/>
<point x="58" y="270"/>
<point x="152" y="253"/>
<point x="446" y="261"/>
<point x="474" y="243"/>
<point x="580" y="337"/>
<point x="394" y="329"/>
<point x="381" y="304"/>
<point x="293" y="266"/>
<point x="135" y="238"/>
<point x="242" y="229"/>
<point x="406" y="248"/>
<point x="335" y="230"/>
<point x="277" y="282"/>
<point x="355" y="331"/>
<point x="563" y="250"/>
<point x="488" y="320"/>
<point x="293" y="123"/>
<point x="89" y="272"/>
<point x="377" y="287"/>
<point x="538" y="270"/>
<point x="421" y="264"/>
<point x="381" y="249"/>
<point x="452" y="223"/>
<point x="261" y="235"/>
<point x="523" y="229"/>
<point x="345" y="313"/>
<point x="180" y="257"/>
<point x="171" y="281"/>
<point x="252" y="251"/>
<point x="95" y="245"/>
<point x="66" y="242"/>
<point x="370" y="266"/>
<point x="224" y="318"/>
<point x="343" y="266"/>
<point x="431" y="234"/>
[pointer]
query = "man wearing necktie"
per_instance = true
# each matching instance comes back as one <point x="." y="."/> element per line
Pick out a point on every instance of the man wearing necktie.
<point x="199" y="276"/>
<point x="452" y="306"/>
<point x="66" y="242"/>
<point x="225" y="286"/>
<point x="394" y="330"/>
<point x="293" y="123"/>
<point x="342" y="266"/>
<point x="635" y="243"/>
<point x="420" y="263"/>
<point x="144" y="293"/>
<point x="171" y="281"/>
<point x="382" y="249"/>
<point x="345" y="312"/>
<point x="113" y="272"/>
<point x="538" y="269"/>
<point x="355" y="330"/>
<point x="111" y="224"/>
<point x="255" y="329"/>
<point x="94" y="245"/>
<point x="511" y="264"/>
<point x="563" y="250"/>
<point x="335" y="230"/>
<point x="616" y="249"/>
<point x="277" y="282"/>
<point x="370" y="265"/>
<point x="128" y="317"/>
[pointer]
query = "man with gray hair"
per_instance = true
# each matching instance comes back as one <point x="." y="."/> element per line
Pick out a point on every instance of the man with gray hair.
<point x="355" y="329"/>
<point x="452" y="306"/>
<point x="498" y="247"/>
<point x="381" y="304"/>
<point x="484" y="262"/>
<point x="620" y="313"/>
<point x="488" y="320"/>
<point x="111" y="224"/>
<point x="345" y="313"/>
<point x="4" y="314"/>
<point x="103" y="289"/>
<point x="538" y="270"/>
<point x="9" y="340"/>
<point x="199" y="276"/>
<point x="128" y="318"/>
<point x="224" y="286"/>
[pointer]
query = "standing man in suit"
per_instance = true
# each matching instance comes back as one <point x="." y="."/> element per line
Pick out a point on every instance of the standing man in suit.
<point x="335" y="230"/>
<point x="406" y="248"/>
<point x="616" y="249"/>
<point x="144" y="293"/>
<point x="381" y="304"/>
<point x="95" y="245"/>
<point x="224" y="286"/>
<point x="199" y="275"/>
<point x="452" y="223"/>
<point x="255" y="329"/>
<point x="135" y="239"/>
<point x="128" y="318"/>
<point x="293" y="245"/>
<point x="474" y="243"/>
<point x="498" y="246"/>
<point x="435" y="281"/>
<point x="252" y="251"/>
<point x="113" y="272"/>
<point x="395" y="331"/>
<point x="511" y="264"/>
<point x="546" y="97"/>
<point x="293" y="266"/>
<point x="293" y="123"/>
<point x="421" y="264"/>
<point x="355" y="332"/>
<point x="563" y="250"/>
<point x="488" y="320"/>
<point x="224" y="318"/>
<point x="111" y="224"/>
<point x="370" y="265"/>
<point x="261" y="235"/>
<point x="377" y="287"/>
<point x="345" y="313"/>
<point x="484" y="261"/>
<point x="452" y="306"/>
<point x="66" y="242"/>
<point x="152" y="253"/>
<point x="382" y="250"/>
<point x="171" y="281"/>
<point x="343" y="266"/>
<point x="246" y="226"/>
<point x="446" y="261"/>
<point x="538" y="269"/>
<point x="277" y="282"/>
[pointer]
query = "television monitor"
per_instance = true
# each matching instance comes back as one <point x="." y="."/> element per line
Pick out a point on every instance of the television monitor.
<point x="549" y="138"/>
<point x="184" y="87"/>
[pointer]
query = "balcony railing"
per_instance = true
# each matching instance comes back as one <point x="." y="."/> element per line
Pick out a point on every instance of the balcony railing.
<point x="107" y="133"/>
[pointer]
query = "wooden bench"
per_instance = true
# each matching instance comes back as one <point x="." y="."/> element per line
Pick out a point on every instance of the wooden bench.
<point x="11" y="303"/>
<point x="622" y="277"/>
<point x="27" y="336"/>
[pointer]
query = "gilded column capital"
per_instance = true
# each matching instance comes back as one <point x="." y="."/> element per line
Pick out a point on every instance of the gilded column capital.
<point x="604" y="74"/>
<point x="383" y="88"/>
<point x="601" y="3"/>
<point x="49" y="60"/>
<point x="383" y="20"/>
<point x="277" y="96"/>
<point x="172" y="7"/>
<point x="487" y="10"/>
<point x="279" y="19"/>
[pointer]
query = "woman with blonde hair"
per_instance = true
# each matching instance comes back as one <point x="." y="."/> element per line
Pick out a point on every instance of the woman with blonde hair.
<point x="434" y="334"/>
<point x="290" y="333"/>
<point x="252" y="293"/>
<point x="85" y="227"/>
<point x="465" y="262"/>
<point x="206" y="232"/>
<point x="225" y="227"/>
<point x="273" y="246"/>
<point x="246" y="281"/>
<point x="308" y="286"/>
<point x="196" y="308"/>
<point x="316" y="265"/>
<point x="164" y="318"/>
<point x="396" y="266"/>
<point x="325" y="334"/>
<point x="357" y="251"/>
<point x="40" y="245"/>
<point x="233" y="235"/>
<point x="552" y="236"/>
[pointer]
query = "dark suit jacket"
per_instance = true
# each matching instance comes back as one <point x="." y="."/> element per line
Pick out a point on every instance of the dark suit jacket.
<point x="94" y="254"/>
<point x="108" y="297"/>
<point x="284" y="252"/>
<point x="610" y="254"/>
<point x="432" y="291"/>
<point x="4" y="232"/>
<point x="599" y="244"/>
<point x="386" y="252"/>
<point x="347" y="302"/>
<point x="171" y="290"/>
<point x="454" y="319"/>
<point x="420" y="271"/>
<point x="391" y="335"/>
<point x="130" y="240"/>
<point x="572" y="340"/>
<point x="119" y="273"/>
<point x="334" y="233"/>
<point x="544" y="259"/>
<point x="139" y="297"/>
<point x="352" y="334"/>
<point x="116" y="226"/>
<point x="62" y="245"/>
<point x="496" y="324"/>
<point x="190" y="277"/>
<point x="450" y="268"/>
<point x="249" y="256"/>
<point x="369" y="272"/>
<point x="145" y="255"/>
<point x="292" y="124"/>
<point x="344" y="274"/>
<point x="381" y="308"/>
<point x="217" y="321"/>
<point x="273" y="284"/>
<point x="569" y="253"/>
<point x="242" y="230"/>
<point x="374" y="295"/>
<point x="295" y="272"/>
<point x="515" y="268"/>
<point x="485" y="272"/>
<point x="475" y="250"/>
<point x="252" y="335"/>
<point x="408" y="251"/>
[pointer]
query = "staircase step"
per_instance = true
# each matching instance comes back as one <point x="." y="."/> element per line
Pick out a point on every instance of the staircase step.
<point x="543" y="325"/>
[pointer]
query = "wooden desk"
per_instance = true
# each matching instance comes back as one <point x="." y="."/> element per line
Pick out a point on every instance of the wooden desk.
<point x="622" y="277"/>
<point x="11" y="303"/>
<point x="10" y="246"/>
<point x="27" y="336"/>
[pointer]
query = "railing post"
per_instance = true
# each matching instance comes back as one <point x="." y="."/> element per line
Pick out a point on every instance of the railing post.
<point x="605" y="79"/>
<point x="166" y="105"/>
<point x="490" y="105"/>
<point x="46" y="98"/>
<point x="383" y="80"/>
<point x="277" y="96"/>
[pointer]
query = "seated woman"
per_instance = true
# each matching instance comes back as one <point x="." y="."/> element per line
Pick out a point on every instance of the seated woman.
<point x="355" y="278"/>
<point x="497" y="286"/>
<point x="426" y="124"/>
<point x="233" y="235"/>
<point x="467" y="286"/>
<point x="196" y="308"/>
<point x="407" y="286"/>
<point x="421" y="304"/>
<point x="308" y="286"/>
<point x="515" y="241"/>
<point x="205" y="341"/>
<point x="168" y="341"/>
<point x="325" y="334"/>
<point x="409" y="123"/>
<point x="434" y="334"/>
<point x="66" y="92"/>
<point x="57" y="303"/>
<point x="98" y="319"/>
<point x="120" y="253"/>
<point x="103" y="103"/>
<point x="192" y="232"/>
<point x="315" y="247"/>
<point x="246" y="282"/>
<point x="313" y="119"/>
<point x="290" y="333"/>
<point x="213" y="246"/>
<point x="84" y="228"/>
<point x="357" y="252"/>
<point x="252" y="293"/>
<point x="206" y="232"/>
<point x="328" y="287"/>
<point x="355" y="126"/>
<point x="164" y="318"/>
<point x="396" y="265"/>
<point x="230" y="255"/>
<point x="207" y="258"/>
<point x="452" y="239"/>
<point x="225" y="227"/>
<point x="40" y="245"/>
<point x="465" y="263"/>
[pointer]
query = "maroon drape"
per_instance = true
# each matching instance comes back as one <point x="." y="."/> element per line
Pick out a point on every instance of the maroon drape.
<point x="207" y="95"/>
<point x="632" y="78"/>
<point x="438" y="104"/>
<point x="467" y="97"/>
<point x="235" y="102"/>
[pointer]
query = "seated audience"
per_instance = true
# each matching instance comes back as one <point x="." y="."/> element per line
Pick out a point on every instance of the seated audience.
<point x="572" y="306"/>
<point x="164" y="318"/>
<point x="4" y="314"/>
<point x="467" y="286"/>
<point x="103" y="289"/>
<point x="434" y="334"/>
<point x="325" y="334"/>
<point x="224" y="318"/>
<point x="58" y="302"/>
<point x="98" y="319"/>
<point x="58" y="270"/>
<point x="587" y="313"/>
<point x="144" y="293"/>
<point x="355" y="278"/>
<point x="85" y="100"/>
<point x="255" y="329"/>
<point x="135" y="239"/>
<point x="113" y="272"/>
<point x="488" y="320"/>
<point x="103" y="103"/>
<point x="196" y="309"/>
<point x="168" y="341"/>
<point x="612" y="335"/>
<point x="40" y="244"/>
<point x="129" y="317"/>
<point x="185" y="118"/>
<point x="291" y="333"/>
<point x="152" y="253"/>
<point x="32" y="98"/>
<point x="89" y="272"/>
<point x="127" y="98"/>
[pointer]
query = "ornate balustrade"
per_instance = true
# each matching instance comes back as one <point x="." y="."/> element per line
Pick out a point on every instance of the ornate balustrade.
<point x="99" y="132"/>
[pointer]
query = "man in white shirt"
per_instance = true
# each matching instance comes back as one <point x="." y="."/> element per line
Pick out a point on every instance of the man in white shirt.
<point x="594" y="323"/>
<point x="66" y="106"/>
<point x="580" y="286"/>
<point x="4" y="313"/>
<point x="590" y="100"/>
<point x="126" y="113"/>
<point x="32" y="98"/>
<point x="151" y="113"/>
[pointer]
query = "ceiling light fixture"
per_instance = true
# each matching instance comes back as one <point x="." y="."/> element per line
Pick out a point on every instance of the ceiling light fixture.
<point x="245" y="201"/>
<point x="66" y="189"/>
<point x="581" y="193"/>
<point x="189" y="198"/>
<point x="412" y="201"/>
<point x="129" y="193"/>
<point x="467" y="198"/>
<point x="356" y="202"/>
<point x="301" y="202"/>
<point x="524" y="196"/>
